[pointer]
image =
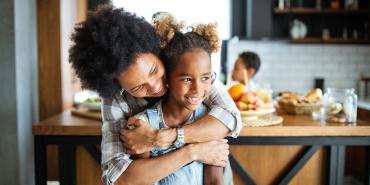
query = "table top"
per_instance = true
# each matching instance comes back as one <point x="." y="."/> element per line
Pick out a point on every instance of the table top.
<point x="293" y="125"/>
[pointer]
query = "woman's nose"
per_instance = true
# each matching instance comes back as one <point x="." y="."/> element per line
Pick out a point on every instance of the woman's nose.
<point x="155" y="85"/>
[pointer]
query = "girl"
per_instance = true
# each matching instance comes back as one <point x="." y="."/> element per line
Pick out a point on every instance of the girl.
<point x="187" y="60"/>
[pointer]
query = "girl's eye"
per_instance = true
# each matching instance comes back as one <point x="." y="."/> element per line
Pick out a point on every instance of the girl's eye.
<point x="205" y="78"/>
<point x="186" y="80"/>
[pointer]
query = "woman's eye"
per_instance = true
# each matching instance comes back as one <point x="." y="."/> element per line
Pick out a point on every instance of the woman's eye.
<point x="155" y="70"/>
<point x="138" y="88"/>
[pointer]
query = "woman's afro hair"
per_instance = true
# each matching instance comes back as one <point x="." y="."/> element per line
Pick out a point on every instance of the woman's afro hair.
<point x="106" y="44"/>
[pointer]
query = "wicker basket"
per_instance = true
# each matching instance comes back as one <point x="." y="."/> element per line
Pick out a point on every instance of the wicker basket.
<point x="298" y="108"/>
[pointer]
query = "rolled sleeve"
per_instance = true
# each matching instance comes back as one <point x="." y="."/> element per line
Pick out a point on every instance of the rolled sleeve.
<point x="113" y="169"/>
<point x="230" y="119"/>
<point x="224" y="109"/>
<point x="114" y="158"/>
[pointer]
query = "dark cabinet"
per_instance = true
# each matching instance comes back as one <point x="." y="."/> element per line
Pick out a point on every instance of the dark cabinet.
<point x="327" y="21"/>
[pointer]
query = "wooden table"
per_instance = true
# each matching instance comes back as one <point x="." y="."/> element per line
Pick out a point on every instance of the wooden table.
<point x="302" y="130"/>
<point x="67" y="131"/>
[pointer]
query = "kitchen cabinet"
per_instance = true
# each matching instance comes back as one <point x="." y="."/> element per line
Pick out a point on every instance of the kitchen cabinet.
<point x="325" y="23"/>
<point x="260" y="19"/>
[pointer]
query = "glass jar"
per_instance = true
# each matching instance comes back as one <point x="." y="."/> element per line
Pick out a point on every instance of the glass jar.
<point x="340" y="105"/>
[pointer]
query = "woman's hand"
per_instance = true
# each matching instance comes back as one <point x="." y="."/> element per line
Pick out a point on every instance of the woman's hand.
<point x="212" y="152"/>
<point x="140" y="139"/>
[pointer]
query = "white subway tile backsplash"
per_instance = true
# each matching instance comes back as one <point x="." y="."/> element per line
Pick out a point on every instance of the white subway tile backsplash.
<point x="294" y="66"/>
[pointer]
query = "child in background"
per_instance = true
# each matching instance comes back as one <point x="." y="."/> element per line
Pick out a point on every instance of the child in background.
<point x="187" y="61"/>
<point x="246" y="67"/>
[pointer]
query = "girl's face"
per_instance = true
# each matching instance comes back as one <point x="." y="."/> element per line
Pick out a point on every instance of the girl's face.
<point x="145" y="77"/>
<point x="191" y="79"/>
<point x="238" y="70"/>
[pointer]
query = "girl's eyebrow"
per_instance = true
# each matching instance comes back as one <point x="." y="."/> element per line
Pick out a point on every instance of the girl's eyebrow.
<point x="183" y="74"/>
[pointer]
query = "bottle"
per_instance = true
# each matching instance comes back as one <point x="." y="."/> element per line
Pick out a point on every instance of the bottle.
<point x="340" y="105"/>
<point x="281" y="4"/>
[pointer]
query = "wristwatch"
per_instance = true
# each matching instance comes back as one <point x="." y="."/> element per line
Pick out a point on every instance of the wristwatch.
<point x="180" y="140"/>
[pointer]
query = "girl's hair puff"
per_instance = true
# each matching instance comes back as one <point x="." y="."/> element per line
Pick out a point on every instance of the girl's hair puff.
<point x="174" y="42"/>
<point x="166" y="26"/>
<point x="209" y="32"/>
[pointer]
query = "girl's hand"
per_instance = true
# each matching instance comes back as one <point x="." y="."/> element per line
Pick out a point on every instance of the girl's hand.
<point x="140" y="139"/>
<point x="213" y="152"/>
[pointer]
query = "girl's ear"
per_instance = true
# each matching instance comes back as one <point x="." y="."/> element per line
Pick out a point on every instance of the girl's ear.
<point x="251" y="72"/>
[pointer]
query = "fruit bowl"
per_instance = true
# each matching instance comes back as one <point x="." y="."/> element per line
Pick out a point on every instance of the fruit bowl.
<point x="253" y="114"/>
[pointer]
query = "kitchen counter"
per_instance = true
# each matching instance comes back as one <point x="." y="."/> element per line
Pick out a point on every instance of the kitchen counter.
<point x="364" y="104"/>
<point x="68" y="131"/>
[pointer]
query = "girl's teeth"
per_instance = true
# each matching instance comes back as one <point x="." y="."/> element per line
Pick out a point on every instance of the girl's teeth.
<point x="194" y="99"/>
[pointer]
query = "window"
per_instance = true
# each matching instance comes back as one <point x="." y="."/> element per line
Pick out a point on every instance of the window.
<point x="190" y="11"/>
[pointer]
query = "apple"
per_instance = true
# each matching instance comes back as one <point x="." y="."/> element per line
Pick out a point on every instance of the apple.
<point x="248" y="98"/>
<point x="241" y="105"/>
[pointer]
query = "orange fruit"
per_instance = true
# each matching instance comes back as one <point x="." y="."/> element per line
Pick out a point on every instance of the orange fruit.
<point x="236" y="91"/>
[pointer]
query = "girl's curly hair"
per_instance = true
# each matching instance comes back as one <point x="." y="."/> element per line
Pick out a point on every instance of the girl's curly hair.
<point x="106" y="44"/>
<point x="175" y="43"/>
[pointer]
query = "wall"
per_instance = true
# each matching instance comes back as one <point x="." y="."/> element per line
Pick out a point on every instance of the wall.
<point x="18" y="90"/>
<point x="289" y="66"/>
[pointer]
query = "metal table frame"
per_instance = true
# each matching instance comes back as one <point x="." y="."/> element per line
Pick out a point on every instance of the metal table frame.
<point x="67" y="146"/>
<point x="336" y="160"/>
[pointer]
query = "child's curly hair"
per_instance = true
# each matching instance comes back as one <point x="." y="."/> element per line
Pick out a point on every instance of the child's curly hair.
<point x="175" y="43"/>
<point x="106" y="44"/>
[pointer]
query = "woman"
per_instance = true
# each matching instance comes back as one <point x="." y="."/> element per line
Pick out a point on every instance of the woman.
<point x="116" y="54"/>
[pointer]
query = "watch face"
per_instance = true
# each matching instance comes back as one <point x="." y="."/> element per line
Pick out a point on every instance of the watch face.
<point x="180" y="138"/>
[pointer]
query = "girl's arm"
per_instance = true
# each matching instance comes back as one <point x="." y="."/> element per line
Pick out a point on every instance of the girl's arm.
<point x="148" y="171"/>
<point x="213" y="175"/>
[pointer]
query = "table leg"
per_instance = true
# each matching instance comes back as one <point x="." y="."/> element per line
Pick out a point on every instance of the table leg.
<point x="341" y="164"/>
<point x="368" y="165"/>
<point x="336" y="164"/>
<point x="333" y="158"/>
<point x="67" y="164"/>
<point x="40" y="160"/>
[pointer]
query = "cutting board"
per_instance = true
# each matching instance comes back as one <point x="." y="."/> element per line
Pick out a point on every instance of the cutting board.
<point x="87" y="114"/>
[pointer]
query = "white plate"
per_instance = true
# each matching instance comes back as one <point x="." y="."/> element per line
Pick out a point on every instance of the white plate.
<point x="95" y="106"/>
<point x="253" y="114"/>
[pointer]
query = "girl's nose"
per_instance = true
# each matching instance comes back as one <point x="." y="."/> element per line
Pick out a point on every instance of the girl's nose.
<point x="195" y="87"/>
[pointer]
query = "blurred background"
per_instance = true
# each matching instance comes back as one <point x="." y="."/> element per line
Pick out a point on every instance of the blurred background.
<point x="302" y="44"/>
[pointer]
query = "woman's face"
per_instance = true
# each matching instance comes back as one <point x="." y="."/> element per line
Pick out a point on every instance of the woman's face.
<point x="191" y="79"/>
<point x="144" y="77"/>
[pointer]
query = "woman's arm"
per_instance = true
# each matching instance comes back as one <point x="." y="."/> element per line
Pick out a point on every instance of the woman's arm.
<point x="222" y="120"/>
<point x="154" y="169"/>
